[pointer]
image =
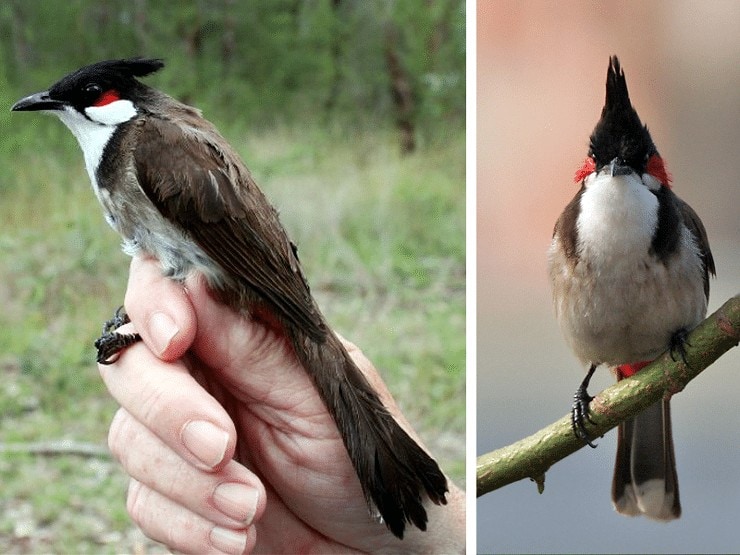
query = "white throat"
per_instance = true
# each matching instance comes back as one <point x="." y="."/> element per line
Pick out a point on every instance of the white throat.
<point x="94" y="133"/>
<point x="618" y="218"/>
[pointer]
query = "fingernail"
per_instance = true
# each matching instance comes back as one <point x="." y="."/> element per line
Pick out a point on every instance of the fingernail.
<point x="205" y="441"/>
<point x="237" y="501"/>
<point x="163" y="330"/>
<point x="228" y="541"/>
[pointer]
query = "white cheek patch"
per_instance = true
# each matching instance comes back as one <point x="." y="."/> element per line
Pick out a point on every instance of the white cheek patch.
<point x="650" y="182"/>
<point x="113" y="113"/>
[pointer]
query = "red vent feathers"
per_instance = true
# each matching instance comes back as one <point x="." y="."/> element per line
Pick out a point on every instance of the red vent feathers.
<point x="627" y="370"/>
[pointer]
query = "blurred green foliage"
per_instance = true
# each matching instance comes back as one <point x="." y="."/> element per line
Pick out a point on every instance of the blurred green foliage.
<point x="267" y="61"/>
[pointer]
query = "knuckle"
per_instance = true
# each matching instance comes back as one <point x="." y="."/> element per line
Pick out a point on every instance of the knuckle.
<point x="164" y="521"/>
<point x="136" y="504"/>
<point x="145" y="508"/>
<point x="118" y="434"/>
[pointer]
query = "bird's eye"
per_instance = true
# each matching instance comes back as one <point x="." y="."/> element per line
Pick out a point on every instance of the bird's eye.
<point x="93" y="90"/>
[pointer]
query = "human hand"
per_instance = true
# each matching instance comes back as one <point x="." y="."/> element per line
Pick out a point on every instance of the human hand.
<point x="210" y="376"/>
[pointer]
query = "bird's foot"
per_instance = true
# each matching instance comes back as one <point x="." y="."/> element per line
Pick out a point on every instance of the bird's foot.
<point x="678" y="345"/>
<point x="111" y="343"/>
<point x="579" y="411"/>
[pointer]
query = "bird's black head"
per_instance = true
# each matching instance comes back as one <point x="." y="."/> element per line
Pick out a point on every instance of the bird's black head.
<point x="620" y="133"/>
<point x="97" y="84"/>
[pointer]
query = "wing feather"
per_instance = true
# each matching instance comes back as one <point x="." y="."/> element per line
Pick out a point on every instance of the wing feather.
<point x="206" y="191"/>
<point x="696" y="227"/>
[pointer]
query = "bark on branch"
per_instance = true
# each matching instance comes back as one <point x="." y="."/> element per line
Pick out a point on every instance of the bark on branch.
<point x="531" y="457"/>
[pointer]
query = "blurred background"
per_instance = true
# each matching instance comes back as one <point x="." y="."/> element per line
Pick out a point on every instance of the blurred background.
<point x="351" y="116"/>
<point x="540" y="89"/>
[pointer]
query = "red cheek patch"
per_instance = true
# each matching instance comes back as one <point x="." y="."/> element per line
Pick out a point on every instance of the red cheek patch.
<point x="588" y="167"/>
<point x="107" y="97"/>
<point x="656" y="168"/>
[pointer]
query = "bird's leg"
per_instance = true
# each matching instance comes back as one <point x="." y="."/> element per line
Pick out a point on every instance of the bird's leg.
<point x="111" y="343"/>
<point x="579" y="410"/>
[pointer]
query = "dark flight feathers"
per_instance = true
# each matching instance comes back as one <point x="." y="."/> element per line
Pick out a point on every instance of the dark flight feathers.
<point x="223" y="219"/>
<point x="691" y="220"/>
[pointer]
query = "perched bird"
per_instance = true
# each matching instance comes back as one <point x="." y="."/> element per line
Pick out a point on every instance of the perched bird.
<point x="172" y="186"/>
<point x="629" y="266"/>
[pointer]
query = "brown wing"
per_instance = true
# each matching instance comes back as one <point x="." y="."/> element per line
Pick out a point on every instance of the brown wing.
<point x="692" y="221"/>
<point x="565" y="226"/>
<point x="205" y="190"/>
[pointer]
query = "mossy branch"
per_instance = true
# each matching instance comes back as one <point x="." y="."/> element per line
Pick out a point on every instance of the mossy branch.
<point x="531" y="457"/>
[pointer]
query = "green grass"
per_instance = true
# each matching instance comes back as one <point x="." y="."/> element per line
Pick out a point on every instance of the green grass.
<point x="382" y="241"/>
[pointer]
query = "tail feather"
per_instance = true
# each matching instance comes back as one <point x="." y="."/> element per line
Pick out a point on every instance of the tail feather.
<point x="393" y="469"/>
<point x="645" y="479"/>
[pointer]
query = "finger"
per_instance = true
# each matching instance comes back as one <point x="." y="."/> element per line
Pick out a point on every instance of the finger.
<point x="160" y="309"/>
<point x="231" y="498"/>
<point x="167" y="400"/>
<point x="181" y="530"/>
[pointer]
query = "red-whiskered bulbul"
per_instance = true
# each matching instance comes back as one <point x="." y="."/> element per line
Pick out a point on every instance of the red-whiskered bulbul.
<point x="172" y="186"/>
<point x="629" y="266"/>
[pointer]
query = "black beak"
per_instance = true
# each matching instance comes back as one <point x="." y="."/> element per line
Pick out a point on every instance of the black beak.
<point x="36" y="102"/>
<point x="618" y="167"/>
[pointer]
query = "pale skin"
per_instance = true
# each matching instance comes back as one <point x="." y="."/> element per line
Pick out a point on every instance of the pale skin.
<point x="204" y="376"/>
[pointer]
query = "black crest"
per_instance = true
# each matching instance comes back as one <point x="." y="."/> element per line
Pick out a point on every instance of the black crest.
<point x="620" y="133"/>
<point x="110" y="74"/>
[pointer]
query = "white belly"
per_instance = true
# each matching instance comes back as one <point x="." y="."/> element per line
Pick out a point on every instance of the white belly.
<point x="619" y="303"/>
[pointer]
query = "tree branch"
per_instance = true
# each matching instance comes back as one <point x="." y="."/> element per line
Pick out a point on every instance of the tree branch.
<point x="531" y="457"/>
<point x="57" y="448"/>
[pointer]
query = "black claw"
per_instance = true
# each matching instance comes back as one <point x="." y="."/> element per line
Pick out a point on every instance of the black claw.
<point x="579" y="411"/>
<point x="678" y="345"/>
<point x="111" y="343"/>
<point x="119" y="318"/>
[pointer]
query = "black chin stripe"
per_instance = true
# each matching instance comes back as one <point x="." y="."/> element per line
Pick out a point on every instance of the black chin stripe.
<point x="667" y="235"/>
<point x="111" y="163"/>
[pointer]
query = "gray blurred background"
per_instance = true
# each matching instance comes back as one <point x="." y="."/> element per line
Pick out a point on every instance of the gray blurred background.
<point x="541" y="73"/>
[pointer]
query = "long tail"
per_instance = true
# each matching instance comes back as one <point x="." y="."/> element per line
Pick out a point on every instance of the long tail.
<point x="393" y="470"/>
<point x="645" y="480"/>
